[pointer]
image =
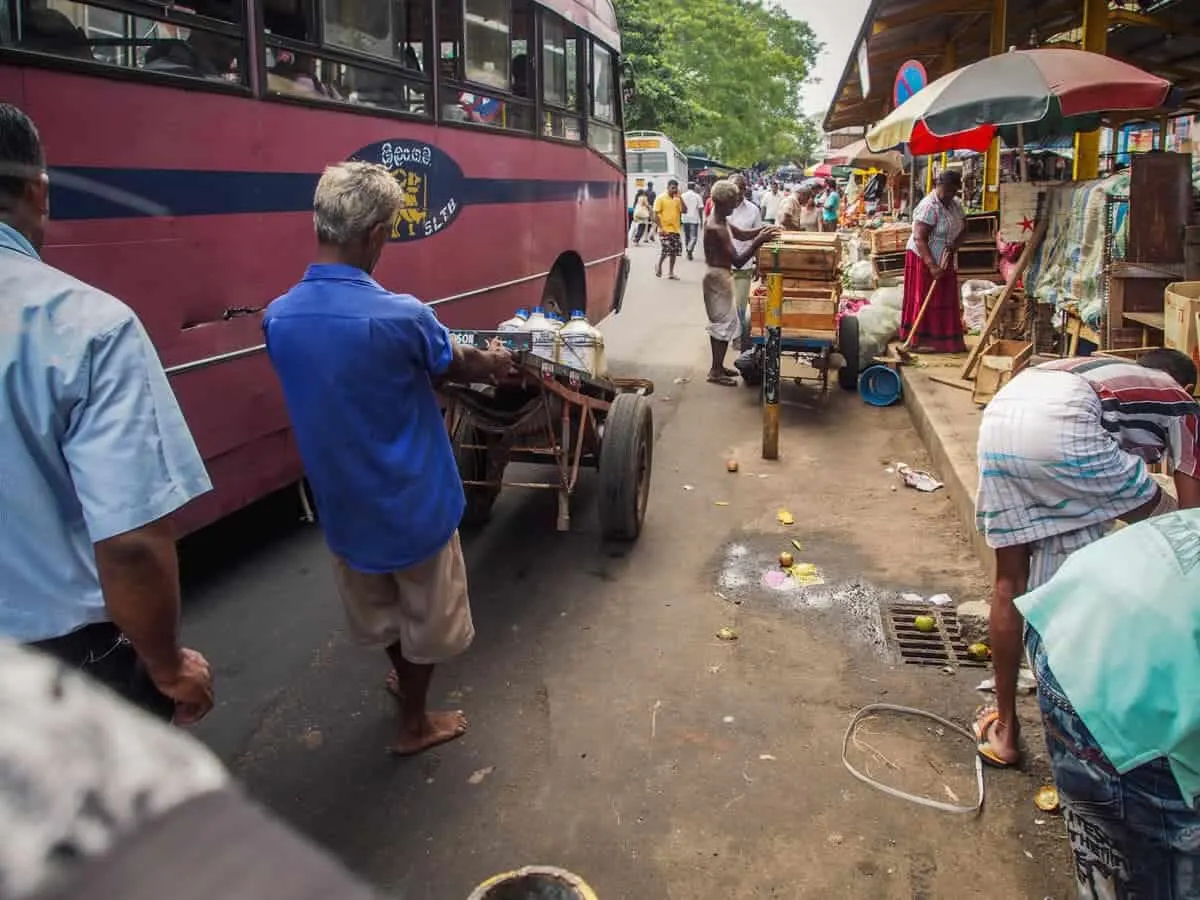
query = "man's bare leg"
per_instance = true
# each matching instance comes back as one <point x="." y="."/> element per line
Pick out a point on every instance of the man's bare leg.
<point x="1005" y="626"/>
<point x="420" y="729"/>
<point x="717" y="373"/>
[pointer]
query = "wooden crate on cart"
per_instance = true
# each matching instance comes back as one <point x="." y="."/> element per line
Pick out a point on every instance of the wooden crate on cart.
<point x="807" y="312"/>
<point x="811" y="262"/>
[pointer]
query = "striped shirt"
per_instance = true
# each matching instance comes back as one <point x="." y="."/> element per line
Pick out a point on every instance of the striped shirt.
<point x="1146" y="410"/>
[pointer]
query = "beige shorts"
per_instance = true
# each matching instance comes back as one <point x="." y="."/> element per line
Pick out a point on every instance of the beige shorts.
<point x="424" y="607"/>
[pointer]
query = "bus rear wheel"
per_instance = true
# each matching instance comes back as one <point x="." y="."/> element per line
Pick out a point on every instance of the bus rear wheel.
<point x="566" y="288"/>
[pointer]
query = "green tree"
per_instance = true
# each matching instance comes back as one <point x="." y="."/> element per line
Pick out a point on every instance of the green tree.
<point x="722" y="74"/>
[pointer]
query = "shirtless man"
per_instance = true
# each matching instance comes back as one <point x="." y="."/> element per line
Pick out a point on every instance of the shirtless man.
<point x="724" y="323"/>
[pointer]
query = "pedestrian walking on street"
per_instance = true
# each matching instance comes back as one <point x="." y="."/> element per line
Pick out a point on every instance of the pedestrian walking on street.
<point x="1063" y="449"/>
<point x="668" y="216"/>
<point x="1112" y="642"/>
<point x="770" y="204"/>
<point x="723" y="259"/>
<point x="641" y="218"/>
<point x="95" y="456"/>
<point x="831" y="205"/>
<point x="692" y="217"/>
<point x="358" y="364"/>
<point x="746" y="217"/>
<point x="651" y="198"/>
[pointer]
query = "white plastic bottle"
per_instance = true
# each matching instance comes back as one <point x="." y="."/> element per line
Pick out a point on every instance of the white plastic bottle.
<point x="578" y="346"/>
<point x="516" y="322"/>
<point x="544" y="335"/>
<point x="599" y="364"/>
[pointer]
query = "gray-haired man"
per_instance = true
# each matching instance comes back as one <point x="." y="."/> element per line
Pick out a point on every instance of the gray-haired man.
<point x="357" y="364"/>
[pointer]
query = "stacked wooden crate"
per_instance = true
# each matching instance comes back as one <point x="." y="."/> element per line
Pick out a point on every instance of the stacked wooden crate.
<point x="977" y="255"/>
<point x="889" y="238"/>
<point x="808" y="264"/>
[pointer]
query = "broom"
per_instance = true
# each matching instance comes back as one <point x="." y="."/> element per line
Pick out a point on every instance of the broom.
<point x="904" y="350"/>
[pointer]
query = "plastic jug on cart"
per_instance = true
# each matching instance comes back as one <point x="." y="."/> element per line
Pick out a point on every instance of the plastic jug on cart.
<point x="516" y="323"/>
<point x="582" y="345"/>
<point x="545" y="334"/>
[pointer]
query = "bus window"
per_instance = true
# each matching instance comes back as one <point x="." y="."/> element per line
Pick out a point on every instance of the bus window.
<point x="560" y="78"/>
<point x="649" y="161"/>
<point x="603" y="137"/>
<point x="522" y="64"/>
<point x="394" y="30"/>
<point x="559" y="67"/>
<point x="195" y="42"/>
<point x="604" y="102"/>
<point x="487" y="35"/>
<point x="492" y="81"/>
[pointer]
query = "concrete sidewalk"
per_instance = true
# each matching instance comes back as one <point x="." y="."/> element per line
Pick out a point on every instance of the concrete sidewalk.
<point x="947" y="420"/>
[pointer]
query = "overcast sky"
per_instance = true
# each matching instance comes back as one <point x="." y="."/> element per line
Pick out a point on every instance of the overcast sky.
<point x="836" y="23"/>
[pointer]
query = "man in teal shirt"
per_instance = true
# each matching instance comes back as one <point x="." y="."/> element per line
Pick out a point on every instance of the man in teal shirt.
<point x="1113" y="642"/>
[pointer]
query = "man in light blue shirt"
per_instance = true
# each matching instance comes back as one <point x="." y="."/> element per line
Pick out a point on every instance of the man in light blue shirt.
<point x="94" y="455"/>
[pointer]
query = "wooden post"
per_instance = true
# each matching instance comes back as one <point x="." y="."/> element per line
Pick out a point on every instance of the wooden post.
<point x="773" y="322"/>
<point x="997" y="44"/>
<point x="1095" y="39"/>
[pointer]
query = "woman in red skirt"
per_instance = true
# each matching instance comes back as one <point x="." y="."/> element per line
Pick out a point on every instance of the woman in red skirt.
<point x="938" y="226"/>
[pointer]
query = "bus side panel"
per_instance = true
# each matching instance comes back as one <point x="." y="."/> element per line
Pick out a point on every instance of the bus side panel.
<point x="192" y="278"/>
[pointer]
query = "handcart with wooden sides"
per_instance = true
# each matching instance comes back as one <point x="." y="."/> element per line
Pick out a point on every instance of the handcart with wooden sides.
<point x="557" y="416"/>
<point x="794" y="315"/>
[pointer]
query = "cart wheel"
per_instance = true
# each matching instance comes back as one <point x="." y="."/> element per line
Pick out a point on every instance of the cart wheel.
<point x="847" y="338"/>
<point x="473" y="466"/>
<point x="626" y="454"/>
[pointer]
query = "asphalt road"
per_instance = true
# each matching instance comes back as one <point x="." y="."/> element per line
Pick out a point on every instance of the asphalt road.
<point x="611" y="732"/>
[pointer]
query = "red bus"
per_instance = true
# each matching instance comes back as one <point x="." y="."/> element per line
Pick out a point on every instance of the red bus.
<point x="185" y="143"/>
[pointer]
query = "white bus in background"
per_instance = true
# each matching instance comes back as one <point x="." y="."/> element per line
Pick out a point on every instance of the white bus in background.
<point x="652" y="158"/>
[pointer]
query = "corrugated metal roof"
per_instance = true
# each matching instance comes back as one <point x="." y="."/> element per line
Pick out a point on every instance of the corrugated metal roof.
<point x="947" y="34"/>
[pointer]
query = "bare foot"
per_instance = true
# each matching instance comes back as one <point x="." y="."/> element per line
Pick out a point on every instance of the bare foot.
<point x="392" y="683"/>
<point x="721" y="378"/>
<point x="437" y="728"/>
<point x="732" y="373"/>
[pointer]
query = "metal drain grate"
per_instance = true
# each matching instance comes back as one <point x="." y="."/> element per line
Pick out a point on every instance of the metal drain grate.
<point x="941" y="647"/>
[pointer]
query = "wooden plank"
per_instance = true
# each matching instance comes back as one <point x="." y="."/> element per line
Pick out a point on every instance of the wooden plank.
<point x="953" y="382"/>
<point x="1013" y="277"/>
<point x="1167" y="271"/>
<point x="1154" y="320"/>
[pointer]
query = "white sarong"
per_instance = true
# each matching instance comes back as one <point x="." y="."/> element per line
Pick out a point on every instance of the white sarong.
<point x="1049" y="474"/>
<point x="723" y="323"/>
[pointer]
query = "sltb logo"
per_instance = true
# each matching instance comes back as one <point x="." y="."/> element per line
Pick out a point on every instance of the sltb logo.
<point x="432" y="183"/>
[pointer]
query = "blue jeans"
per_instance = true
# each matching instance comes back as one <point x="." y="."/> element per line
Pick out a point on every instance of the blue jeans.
<point x="1132" y="836"/>
<point x="691" y="230"/>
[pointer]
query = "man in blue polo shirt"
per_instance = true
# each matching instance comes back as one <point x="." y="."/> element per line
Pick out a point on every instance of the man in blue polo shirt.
<point x="94" y="456"/>
<point x="357" y="365"/>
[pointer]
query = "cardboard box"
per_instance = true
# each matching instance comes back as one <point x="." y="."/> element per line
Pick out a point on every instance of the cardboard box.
<point x="1181" y="302"/>
<point x="998" y="364"/>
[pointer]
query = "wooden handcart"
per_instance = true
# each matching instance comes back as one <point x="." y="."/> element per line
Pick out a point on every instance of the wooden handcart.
<point x="557" y="416"/>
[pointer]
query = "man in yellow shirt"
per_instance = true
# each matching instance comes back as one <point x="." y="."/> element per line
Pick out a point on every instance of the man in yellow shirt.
<point x="668" y="214"/>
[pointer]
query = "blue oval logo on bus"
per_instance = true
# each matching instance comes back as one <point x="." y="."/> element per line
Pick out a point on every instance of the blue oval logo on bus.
<point x="432" y="183"/>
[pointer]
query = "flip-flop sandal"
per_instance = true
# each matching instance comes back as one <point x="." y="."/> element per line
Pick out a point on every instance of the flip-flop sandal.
<point x="981" y="727"/>
<point x="722" y="379"/>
